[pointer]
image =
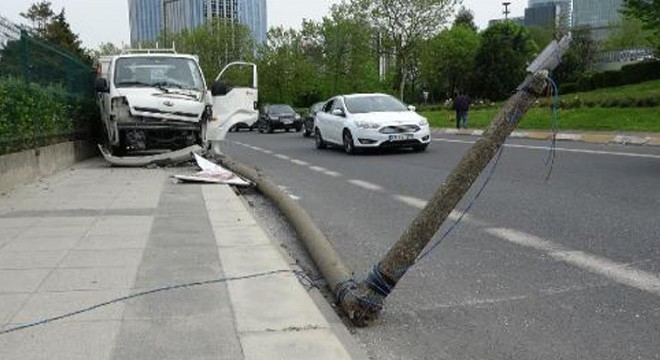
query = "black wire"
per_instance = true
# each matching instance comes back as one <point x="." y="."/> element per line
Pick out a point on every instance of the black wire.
<point x="143" y="293"/>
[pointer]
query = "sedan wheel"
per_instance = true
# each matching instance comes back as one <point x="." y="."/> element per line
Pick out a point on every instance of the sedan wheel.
<point x="318" y="139"/>
<point x="349" y="147"/>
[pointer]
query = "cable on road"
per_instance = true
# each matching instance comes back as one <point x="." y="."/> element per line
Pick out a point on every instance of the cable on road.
<point x="554" y="108"/>
<point x="149" y="292"/>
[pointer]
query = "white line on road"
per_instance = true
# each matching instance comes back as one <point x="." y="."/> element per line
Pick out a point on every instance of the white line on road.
<point x="453" y="216"/>
<point x="299" y="162"/>
<point x="267" y="151"/>
<point x="318" y="168"/>
<point x="366" y="185"/>
<point x="547" y="148"/>
<point x="283" y="157"/>
<point x="332" y="173"/>
<point x="623" y="274"/>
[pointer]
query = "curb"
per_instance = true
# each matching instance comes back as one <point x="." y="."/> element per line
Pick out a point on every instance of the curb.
<point x="594" y="138"/>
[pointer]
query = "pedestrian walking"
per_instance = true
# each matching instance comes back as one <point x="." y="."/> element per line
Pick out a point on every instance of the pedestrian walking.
<point x="462" y="106"/>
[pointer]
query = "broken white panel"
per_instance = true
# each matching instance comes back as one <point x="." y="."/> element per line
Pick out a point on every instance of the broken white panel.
<point x="212" y="173"/>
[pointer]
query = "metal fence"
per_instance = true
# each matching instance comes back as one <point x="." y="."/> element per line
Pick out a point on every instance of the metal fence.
<point x="46" y="93"/>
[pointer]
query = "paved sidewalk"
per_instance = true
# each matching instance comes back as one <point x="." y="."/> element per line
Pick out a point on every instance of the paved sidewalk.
<point x="93" y="233"/>
<point x="650" y="139"/>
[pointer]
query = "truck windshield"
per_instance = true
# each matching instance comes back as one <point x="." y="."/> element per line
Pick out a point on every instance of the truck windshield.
<point x="158" y="71"/>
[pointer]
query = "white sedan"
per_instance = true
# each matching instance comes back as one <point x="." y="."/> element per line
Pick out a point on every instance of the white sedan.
<point x="370" y="121"/>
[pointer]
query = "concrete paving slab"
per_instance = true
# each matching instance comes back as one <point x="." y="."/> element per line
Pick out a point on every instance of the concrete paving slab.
<point x="64" y="340"/>
<point x="282" y="292"/>
<point x="128" y="258"/>
<point x="157" y="276"/>
<point x="242" y="261"/>
<point x="43" y="243"/>
<point x="51" y="304"/>
<point x="317" y="344"/>
<point x="21" y="281"/>
<point x="30" y="259"/>
<point x="9" y="234"/>
<point x="50" y="221"/>
<point x="100" y="242"/>
<point x="122" y="225"/>
<point x="180" y="256"/>
<point x="13" y="223"/>
<point x="54" y="232"/>
<point x="10" y="304"/>
<point x="89" y="279"/>
<point x="182" y="338"/>
<point x="244" y="235"/>
<point x="205" y="300"/>
<point x="237" y="216"/>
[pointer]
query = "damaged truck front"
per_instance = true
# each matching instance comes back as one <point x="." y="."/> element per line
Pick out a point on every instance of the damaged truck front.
<point x="155" y="107"/>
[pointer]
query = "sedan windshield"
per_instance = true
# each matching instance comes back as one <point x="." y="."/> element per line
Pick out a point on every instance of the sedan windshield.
<point x="376" y="103"/>
<point x="280" y="109"/>
<point x="160" y="72"/>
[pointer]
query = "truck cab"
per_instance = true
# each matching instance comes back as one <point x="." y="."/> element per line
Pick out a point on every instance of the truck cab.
<point x="156" y="101"/>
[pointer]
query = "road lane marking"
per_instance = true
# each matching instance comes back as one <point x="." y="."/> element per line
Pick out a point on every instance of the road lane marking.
<point x="332" y="173"/>
<point x="620" y="273"/>
<point x="267" y="151"/>
<point x="299" y="162"/>
<point x="547" y="148"/>
<point x="283" y="157"/>
<point x="453" y="216"/>
<point x="366" y="185"/>
<point x="318" y="168"/>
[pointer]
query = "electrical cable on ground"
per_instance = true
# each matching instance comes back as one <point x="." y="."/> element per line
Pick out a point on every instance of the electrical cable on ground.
<point x="148" y="292"/>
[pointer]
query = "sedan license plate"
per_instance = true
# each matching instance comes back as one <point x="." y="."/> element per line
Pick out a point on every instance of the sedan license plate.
<point x="287" y="121"/>
<point x="401" y="137"/>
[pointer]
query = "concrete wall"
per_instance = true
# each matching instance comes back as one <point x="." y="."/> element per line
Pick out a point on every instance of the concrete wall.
<point x="27" y="166"/>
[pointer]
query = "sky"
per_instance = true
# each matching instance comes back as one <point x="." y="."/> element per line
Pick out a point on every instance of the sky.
<point x="99" y="21"/>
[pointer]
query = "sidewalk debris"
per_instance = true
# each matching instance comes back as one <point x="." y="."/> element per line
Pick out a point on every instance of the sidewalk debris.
<point x="212" y="173"/>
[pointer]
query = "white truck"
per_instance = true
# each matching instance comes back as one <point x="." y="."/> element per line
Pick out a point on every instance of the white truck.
<point x="156" y="107"/>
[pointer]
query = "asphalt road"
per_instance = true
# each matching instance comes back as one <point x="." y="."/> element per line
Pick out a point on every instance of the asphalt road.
<point x="567" y="268"/>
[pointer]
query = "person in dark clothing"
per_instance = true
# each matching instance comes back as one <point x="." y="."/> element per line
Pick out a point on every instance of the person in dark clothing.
<point x="462" y="106"/>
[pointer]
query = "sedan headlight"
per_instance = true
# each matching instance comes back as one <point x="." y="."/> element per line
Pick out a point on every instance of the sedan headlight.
<point x="423" y="122"/>
<point x="366" y="124"/>
<point x="297" y="116"/>
<point x="271" y="117"/>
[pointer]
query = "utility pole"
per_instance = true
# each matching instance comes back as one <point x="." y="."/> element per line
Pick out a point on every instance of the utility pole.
<point x="363" y="301"/>
<point x="506" y="10"/>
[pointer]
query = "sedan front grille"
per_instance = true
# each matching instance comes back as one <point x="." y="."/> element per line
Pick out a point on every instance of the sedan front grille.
<point x="400" y="129"/>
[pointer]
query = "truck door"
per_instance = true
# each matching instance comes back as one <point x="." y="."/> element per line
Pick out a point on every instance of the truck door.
<point x="232" y="105"/>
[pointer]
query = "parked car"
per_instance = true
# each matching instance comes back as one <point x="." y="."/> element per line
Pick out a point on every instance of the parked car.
<point x="308" y="121"/>
<point x="279" y="116"/>
<point x="359" y="121"/>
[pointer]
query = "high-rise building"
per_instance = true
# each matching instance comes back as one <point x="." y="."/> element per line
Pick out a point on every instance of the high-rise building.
<point x="599" y="15"/>
<point x="546" y="13"/>
<point x="146" y="16"/>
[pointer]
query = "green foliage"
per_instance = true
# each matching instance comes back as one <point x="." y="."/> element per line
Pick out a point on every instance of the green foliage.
<point x="648" y="11"/>
<point x="506" y="48"/>
<point x="217" y="43"/>
<point x="630" y="33"/>
<point x="448" y="61"/>
<point x="34" y="115"/>
<point x="465" y="18"/>
<point x="579" y="58"/>
<point x="541" y="35"/>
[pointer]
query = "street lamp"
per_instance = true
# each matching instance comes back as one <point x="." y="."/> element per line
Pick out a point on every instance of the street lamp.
<point x="506" y="10"/>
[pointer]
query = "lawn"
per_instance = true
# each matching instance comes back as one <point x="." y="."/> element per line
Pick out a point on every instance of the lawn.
<point x="599" y="119"/>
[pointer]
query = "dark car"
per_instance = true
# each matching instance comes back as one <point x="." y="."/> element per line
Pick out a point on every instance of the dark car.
<point x="308" y="121"/>
<point x="279" y="116"/>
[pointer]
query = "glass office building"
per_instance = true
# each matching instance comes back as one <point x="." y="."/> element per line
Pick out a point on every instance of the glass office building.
<point x="599" y="15"/>
<point x="146" y="16"/>
<point x="548" y="13"/>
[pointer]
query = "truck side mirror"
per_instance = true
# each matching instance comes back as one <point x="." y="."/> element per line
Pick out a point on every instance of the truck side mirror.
<point x="101" y="85"/>
<point x="219" y="88"/>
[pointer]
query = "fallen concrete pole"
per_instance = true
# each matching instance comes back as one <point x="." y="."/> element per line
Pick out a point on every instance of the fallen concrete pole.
<point x="325" y="257"/>
<point x="167" y="158"/>
<point x="363" y="301"/>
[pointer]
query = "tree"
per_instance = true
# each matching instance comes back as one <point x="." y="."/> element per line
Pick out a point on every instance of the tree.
<point x="405" y="24"/>
<point x="648" y="11"/>
<point x="448" y="60"/>
<point x="505" y="50"/>
<point x="579" y="59"/>
<point x="629" y="34"/>
<point x="217" y="43"/>
<point x="541" y="35"/>
<point x="465" y="17"/>
<point x="40" y="15"/>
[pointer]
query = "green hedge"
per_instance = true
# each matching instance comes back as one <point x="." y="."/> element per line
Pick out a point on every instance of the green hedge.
<point x="33" y="115"/>
<point x="629" y="74"/>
